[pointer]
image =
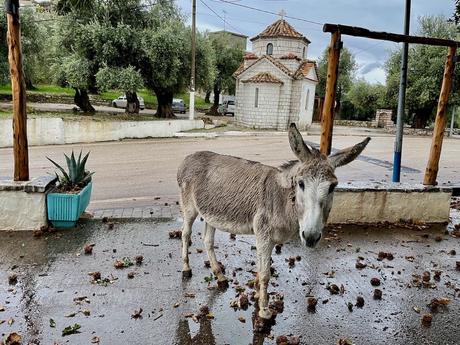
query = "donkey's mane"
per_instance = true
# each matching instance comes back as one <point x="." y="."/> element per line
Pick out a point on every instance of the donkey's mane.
<point x="289" y="164"/>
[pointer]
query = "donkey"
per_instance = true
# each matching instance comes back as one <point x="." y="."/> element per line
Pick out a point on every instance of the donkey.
<point x="274" y="204"/>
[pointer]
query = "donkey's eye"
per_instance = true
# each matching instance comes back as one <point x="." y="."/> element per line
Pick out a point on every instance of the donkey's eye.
<point x="332" y="187"/>
<point x="301" y="185"/>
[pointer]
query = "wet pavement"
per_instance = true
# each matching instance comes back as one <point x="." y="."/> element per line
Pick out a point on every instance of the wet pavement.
<point x="53" y="283"/>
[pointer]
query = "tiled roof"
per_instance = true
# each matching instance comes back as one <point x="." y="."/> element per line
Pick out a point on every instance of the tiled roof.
<point x="278" y="64"/>
<point x="239" y="70"/>
<point x="263" y="77"/>
<point x="280" y="28"/>
<point x="290" y="56"/>
<point x="304" y="69"/>
<point x="250" y="56"/>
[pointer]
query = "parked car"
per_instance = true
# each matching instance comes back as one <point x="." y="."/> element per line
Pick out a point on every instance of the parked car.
<point x="121" y="102"/>
<point x="178" y="106"/>
<point x="228" y="107"/>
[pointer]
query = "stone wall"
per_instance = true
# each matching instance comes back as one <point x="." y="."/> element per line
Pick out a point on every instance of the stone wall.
<point x="57" y="131"/>
<point x="281" y="46"/>
<point x="383" y="118"/>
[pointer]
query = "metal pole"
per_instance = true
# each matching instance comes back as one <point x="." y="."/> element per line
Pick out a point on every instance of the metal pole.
<point x="192" y="77"/>
<point x="401" y="100"/>
<point x="451" y="131"/>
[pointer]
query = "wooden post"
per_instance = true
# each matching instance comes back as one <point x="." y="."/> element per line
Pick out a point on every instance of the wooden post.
<point x="18" y="88"/>
<point x="327" y="117"/>
<point x="440" y="123"/>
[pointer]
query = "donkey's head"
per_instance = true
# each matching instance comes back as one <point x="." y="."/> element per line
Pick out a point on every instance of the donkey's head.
<point x="314" y="183"/>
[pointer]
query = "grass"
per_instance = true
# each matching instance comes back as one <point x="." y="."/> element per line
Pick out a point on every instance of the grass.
<point x="149" y="98"/>
<point x="99" y="116"/>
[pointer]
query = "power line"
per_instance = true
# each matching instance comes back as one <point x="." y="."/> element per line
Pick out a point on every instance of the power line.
<point x="266" y="11"/>
<point x="218" y="15"/>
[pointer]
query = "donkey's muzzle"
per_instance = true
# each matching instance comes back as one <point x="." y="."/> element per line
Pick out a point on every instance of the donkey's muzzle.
<point x="311" y="240"/>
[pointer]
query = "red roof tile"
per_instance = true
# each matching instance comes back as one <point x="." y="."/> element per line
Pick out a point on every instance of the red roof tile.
<point x="280" y="28"/>
<point x="304" y="69"/>
<point x="250" y="56"/>
<point x="263" y="77"/>
<point x="290" y="56"/>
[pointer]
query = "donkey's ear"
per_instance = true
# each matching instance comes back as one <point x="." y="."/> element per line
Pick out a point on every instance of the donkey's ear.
<point x="347" y="155"/>
<point x="297" y="145"/>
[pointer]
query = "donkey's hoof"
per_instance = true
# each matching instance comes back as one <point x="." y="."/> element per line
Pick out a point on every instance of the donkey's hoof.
<point x="187" y="274"/>
<point x="222" y="284"/>
<point x="265" y="314"/>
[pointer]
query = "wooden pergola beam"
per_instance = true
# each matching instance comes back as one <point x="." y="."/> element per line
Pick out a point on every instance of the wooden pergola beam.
<point x="387" y="36"/>
<point x="327" y="117"/>
<point x="18" y="88"/>
<point x="432" y="167"/>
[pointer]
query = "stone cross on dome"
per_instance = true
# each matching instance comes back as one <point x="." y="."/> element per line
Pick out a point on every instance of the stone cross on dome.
<point x="282" y="13"/>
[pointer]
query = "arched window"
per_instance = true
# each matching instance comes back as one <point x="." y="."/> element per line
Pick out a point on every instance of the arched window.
<point x="269" y="49"/>
<point x="303" y="53"/>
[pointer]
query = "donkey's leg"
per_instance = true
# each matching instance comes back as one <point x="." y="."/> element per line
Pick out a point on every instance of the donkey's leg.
<point x="209" y="232"/>
<point x="264" y="251"/>
<point x="189" y="214"/>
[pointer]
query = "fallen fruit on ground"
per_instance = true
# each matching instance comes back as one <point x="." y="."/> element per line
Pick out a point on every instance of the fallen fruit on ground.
<point x="175" y="234"/>
<point x="312" y="302"/>
<point x="139" y="259"/>
<point x="438" y="302"/>
<point x="12" y="278"/>
<point x="95" y="275"/>
<point x="426" y="320"/>
<point x="333" y="289"/>
<point x="375" y="282"/>
<point x="137" y="314"/>
<point x="359" y="301"/>
<point x="377" y="294"/>
<point x="13" y="339"/>
<point x="89" y="248"/>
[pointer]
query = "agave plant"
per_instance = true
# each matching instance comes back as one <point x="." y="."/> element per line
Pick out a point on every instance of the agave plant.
<point x="76" y="177"/>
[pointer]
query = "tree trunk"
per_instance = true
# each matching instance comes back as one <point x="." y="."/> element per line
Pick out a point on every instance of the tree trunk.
<point x="132" y="106"/>
<point x="207" y="98"/>
<point x="164" y="98"/>
<point x="29" y="83"/>
<point x="81" y="99"/>
<point x="215" y="105"/>
<point x="338" y="105"/>
<point x="420" y="120"/>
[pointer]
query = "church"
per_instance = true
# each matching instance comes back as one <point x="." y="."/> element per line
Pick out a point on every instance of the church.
<point x="275" y="84"/>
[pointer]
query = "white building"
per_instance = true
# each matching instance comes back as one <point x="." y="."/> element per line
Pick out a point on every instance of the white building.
<point x="275" y="85"/>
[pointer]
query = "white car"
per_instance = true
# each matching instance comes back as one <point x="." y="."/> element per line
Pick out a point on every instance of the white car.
<point x="121" y="102"/>
<point x="228" y="107"/>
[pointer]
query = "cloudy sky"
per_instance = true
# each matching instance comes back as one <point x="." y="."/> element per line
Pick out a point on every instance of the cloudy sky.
<point x="377" y="15"/>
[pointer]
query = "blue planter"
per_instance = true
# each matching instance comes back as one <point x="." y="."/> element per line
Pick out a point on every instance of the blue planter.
<point x="65" y="209"/>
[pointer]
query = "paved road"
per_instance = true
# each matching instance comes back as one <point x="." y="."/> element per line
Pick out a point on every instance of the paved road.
<point x="134" y="173"/>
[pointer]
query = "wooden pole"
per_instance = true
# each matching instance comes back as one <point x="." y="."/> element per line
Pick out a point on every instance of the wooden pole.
<point x="327" y="117"/>
<point x="440" y="123"/>
<point x="18" y="88"/>
<point x="388" y="36"/>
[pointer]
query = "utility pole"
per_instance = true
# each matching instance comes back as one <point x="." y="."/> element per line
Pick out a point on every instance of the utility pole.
<point x="451" y="131"/>
<point x="192" y="77"/>
<point x="18" y="88"/>
<point x="401" y="100"/>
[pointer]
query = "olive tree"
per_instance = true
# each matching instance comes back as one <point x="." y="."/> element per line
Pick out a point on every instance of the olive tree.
<point x="347" y="70"/>
<point x="425" y="72"/>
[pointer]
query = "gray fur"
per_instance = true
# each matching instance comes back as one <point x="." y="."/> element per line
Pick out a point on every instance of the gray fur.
<point x="246" y="197"/>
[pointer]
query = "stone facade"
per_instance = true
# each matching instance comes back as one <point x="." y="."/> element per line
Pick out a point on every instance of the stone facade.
<point x="383" y="118"/>
<point x="276" y="83"/>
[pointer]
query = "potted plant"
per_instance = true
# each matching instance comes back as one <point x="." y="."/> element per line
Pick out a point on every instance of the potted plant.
<point x="70" y="197"/>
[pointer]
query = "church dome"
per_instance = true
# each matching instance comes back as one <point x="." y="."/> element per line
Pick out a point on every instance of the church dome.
<point x="281" y="29"/>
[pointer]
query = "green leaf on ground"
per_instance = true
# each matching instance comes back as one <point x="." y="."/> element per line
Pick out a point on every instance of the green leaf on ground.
<point x="52" y="323"/>
<point x="71" y="329"/>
